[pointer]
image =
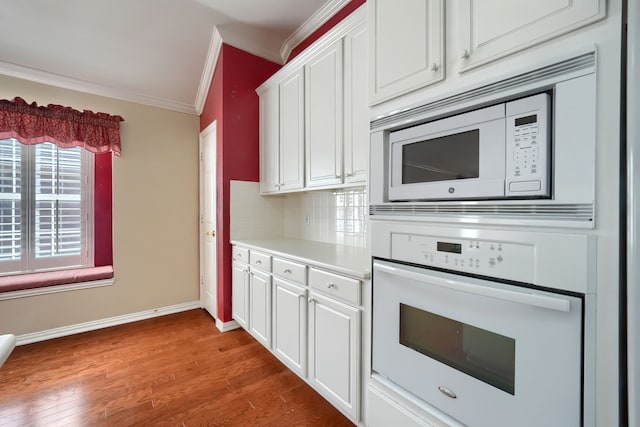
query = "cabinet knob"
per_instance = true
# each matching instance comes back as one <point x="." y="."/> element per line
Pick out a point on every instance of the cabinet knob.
<point x="311" y="300"/>
<point x="338" y="175"/>
<point x="258" y="261"/>
<point x="331" y="285"/>
<point x="350" y="174"/>
<point x="434" y="67"/>
<point x="465" y="54"/>
<point x="287" y="271"/>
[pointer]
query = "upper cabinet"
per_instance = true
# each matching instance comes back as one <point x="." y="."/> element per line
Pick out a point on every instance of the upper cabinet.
<point x="406" y="46"/>
<point x="282" y="134"/>
<point x="487" y="30"/>
<point x="356" y="111"/>
<point x="407" y="43"/>
<point x="314" y="121"/>
<point x="292" y="132"/>
<point x="323" y="117"/>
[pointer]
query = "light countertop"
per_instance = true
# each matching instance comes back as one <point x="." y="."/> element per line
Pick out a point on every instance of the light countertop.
<point x="348" y="260"/>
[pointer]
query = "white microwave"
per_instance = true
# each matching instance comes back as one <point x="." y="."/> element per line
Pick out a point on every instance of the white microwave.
<point x="500" y="151"/>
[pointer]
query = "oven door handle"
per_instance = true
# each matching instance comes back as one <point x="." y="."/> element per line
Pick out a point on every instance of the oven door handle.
<point x="543" y="301"/>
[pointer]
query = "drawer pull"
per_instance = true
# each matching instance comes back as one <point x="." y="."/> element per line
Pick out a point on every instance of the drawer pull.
<point x="331" y="285"/>
<point x="258" y="262"/>
<point x="287" y="271"/>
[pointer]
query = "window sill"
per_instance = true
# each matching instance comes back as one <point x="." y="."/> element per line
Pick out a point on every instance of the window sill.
<point x="26" y="285"/>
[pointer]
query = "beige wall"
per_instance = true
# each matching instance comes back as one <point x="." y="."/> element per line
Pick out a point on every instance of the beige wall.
<point x="155" y="227"/>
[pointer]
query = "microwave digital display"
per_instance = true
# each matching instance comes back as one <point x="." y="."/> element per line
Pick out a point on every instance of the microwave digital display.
<point x="450" y="157"/>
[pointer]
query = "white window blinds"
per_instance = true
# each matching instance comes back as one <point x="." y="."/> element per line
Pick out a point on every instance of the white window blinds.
<point x="45" y="207"/>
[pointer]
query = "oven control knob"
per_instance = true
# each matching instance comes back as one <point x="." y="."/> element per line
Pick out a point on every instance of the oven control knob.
<point x="452" y="190"/>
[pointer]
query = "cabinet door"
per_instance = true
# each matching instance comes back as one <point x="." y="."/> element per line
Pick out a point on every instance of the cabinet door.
<point x="240" y="293"/>
<point x="290" y="325"/>
<point x="334" y="352"/>
<point x="260" y="307"/>
<point x="356" y="111"/>
<point x="292" y="132"/>
<point x="269" y="140"/>
<point x="406" y="46"/>
<point x="323" y="117"/>
<point x="487" y="30"/>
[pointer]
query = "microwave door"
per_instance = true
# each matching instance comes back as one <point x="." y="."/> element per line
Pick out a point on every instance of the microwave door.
<point x="465" y="163"/>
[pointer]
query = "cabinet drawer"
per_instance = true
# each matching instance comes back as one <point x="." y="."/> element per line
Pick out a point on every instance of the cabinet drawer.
<point x="338" y="286"/>
<point x="260" y="260"/>
<point x="240" y="254"/>
<point x="290" y="270"/>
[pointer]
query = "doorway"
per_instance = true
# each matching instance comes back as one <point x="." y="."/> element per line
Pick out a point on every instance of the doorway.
<point x="208" y="246"/>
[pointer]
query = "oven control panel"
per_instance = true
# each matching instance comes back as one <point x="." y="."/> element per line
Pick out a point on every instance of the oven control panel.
<point x="506" y="260"/>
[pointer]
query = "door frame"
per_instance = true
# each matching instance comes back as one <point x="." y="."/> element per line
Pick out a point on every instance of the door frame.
<point x="211" y="128"/>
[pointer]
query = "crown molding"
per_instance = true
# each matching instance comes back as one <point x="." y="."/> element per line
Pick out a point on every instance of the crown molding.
<point x="357" y="17"/>
<point x="215" y="45"/>
<point x="310" y="25"/>
<point x="255" y="45"/>
<point x="51" y="79"/>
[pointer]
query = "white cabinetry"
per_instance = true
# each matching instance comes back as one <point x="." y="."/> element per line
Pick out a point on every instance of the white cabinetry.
<point x="309" y="318"/>
<point x="323" y="117"/>
<point x="334" y="351"/>
<point x="282" y="134"/>
<point x="290" y="325"/>
<point x="356" y="112"/>
<point x="240" y="293"/>
<point x="260" y="297"/>
<point x="406" y="46"/>
<point x="269" y="140"/>
<point x="407" y="43"/>
<point x="489" y="30"/>
<point x="291" y="119"/>
<point x="240" y="286"/>
<point x="290" y="314"/>
<point x="320" y="111"/>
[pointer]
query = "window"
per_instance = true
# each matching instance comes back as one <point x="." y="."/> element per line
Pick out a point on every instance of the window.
<point x="46" y="207"/>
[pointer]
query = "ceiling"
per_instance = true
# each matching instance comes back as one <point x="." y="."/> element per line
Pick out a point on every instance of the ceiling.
<point x="154" y="52"/>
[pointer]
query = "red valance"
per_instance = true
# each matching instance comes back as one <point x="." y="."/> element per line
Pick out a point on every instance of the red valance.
<point x="63" y="126"/>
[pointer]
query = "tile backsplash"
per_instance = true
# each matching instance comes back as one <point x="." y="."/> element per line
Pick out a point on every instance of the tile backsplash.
<point x="253" y="216"/>
<point x="332" y="216"/>
<point x="335" y="216"/>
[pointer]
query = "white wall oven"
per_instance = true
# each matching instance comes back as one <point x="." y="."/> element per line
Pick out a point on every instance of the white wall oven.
<point x="488" y="327"/>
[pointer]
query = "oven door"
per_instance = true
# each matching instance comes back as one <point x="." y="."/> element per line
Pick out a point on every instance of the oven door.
<point x="460" y="157"/>
<point x="482" y="352"/>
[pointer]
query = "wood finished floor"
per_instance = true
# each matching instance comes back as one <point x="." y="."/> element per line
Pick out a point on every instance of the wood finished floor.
<point x="175" y="370"/>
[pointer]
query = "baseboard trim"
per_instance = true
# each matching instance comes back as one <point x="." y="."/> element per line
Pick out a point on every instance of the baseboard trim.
<point x="226" y="326"/>
<point x="104" y="323"/>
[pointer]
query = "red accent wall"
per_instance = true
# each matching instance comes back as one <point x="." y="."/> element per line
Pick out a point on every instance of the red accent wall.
<point x="103" y="212"/>
<point x="332" y="22"/>
<point x="233" y="102"/>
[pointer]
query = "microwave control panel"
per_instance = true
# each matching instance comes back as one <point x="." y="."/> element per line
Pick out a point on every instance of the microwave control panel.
<point x="511" y="261"/>
<point x="528" y="146"/>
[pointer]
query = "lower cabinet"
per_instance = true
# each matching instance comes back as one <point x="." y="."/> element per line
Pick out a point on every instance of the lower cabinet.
<point x="315" y="330"/>
<point x="260" y="306"/>
<point x="334" y="351"/>
<point x="290" y="325"/>
<point x="240" y="293"/>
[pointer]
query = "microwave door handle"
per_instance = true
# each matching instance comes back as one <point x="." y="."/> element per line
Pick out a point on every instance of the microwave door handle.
<point x="543" y="301"/>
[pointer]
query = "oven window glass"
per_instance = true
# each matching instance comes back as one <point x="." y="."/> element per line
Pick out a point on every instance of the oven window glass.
<point x="455" y="156"/>
<point x="484" y="355"/>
